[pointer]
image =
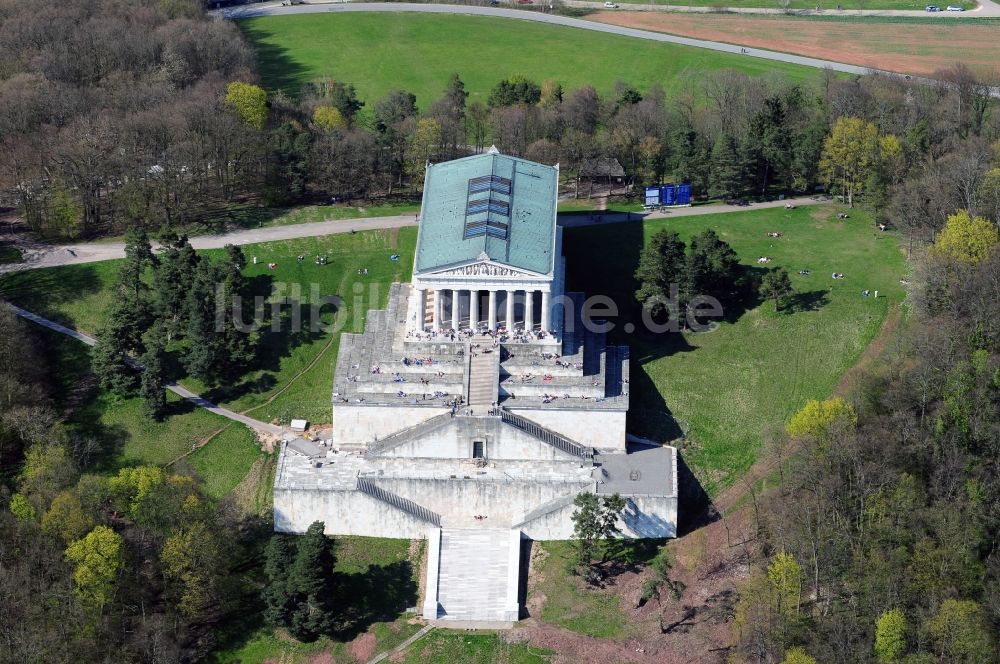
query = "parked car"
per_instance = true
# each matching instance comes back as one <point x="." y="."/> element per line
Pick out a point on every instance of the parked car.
<point x="610" y="5"/>
<point x="955" y="8"/>
<point x="932" y="8"/>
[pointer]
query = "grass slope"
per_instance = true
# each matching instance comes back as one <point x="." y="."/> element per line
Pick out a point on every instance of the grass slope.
<point x="417" y="52"/>
<point x="727" y="387"/>
<point x="569" y="603"/>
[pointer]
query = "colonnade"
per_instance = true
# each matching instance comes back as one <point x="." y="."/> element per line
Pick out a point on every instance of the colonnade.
<point x="463" y="309"/>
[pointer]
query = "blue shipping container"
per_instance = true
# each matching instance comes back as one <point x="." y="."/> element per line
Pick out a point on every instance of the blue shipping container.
<point x="668" y="194"/>
<point x="684" y="194"/>
<point x="652" y="196"/>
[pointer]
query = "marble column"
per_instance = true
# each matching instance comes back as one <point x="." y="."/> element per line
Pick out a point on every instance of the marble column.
<point x="529" y="304"/>
<point x="508" y="320"/>
<point x="438" y="309"/>
<point x="454" y="308"/>
<point x="545" y="311"/>
<point x="473" y="309"/>
<point x="491" y="316"/>
<point x="421" y="311"/>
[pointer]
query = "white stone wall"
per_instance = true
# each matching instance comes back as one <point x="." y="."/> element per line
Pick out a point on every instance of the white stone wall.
<point x="602" y="429"/>
<point x="356" y="424"/>
<point x="459" y="500"/>
<point x="649" y="516"/>
<point x="644" y="517"/>
<point x="351" y="512"/>
<point x="501" y="442"/>
<point x="348" y="512"/>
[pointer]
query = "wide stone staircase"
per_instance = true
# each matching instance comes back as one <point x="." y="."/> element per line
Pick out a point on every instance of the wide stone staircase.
<point x="476" y="581"/>
<point x="484" y="371"/>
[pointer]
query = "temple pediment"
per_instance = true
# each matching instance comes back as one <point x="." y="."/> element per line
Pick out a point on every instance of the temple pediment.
<point x="483" y="269"/>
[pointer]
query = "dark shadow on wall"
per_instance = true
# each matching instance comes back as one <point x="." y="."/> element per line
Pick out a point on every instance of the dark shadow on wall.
<point x="695" y="507"/>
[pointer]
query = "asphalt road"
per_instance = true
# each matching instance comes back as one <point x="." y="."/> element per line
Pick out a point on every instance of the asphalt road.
<point x="40" y="255"/>
<point x="199" y="401"/>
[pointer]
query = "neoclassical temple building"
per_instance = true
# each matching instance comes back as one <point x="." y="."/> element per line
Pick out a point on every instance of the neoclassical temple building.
<point x="488" y="251"/>
<point x="479" y="403"/>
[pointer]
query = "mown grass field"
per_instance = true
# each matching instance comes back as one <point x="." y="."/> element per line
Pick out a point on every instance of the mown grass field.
<point x="417" y="52"/>
<point x="727" y="387"/>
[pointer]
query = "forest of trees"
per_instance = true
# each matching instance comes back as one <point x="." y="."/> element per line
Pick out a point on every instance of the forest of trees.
<point x="116" y="115"/>
<point x="136" y="565"/>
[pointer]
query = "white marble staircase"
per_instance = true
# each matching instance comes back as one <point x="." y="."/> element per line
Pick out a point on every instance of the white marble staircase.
<point x="473" y="575"/>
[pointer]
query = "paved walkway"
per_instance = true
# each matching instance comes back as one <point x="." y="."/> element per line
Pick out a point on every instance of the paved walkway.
<point x="199" y="401"/>
<point x="402" y="646"/>
<point x="41" y="255"/>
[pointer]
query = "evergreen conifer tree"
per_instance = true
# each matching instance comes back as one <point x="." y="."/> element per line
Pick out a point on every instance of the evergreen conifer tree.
<point x="204" y="354"/>
<point x="172" y="282"/>
<point x="725" y="179"/>
<point x="152" y="386"/>
<point x="279" y="556"/>
<point x="311" y="584"/>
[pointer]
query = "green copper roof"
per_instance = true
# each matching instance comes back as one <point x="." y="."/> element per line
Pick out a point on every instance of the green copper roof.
<point x="490" y="203"/>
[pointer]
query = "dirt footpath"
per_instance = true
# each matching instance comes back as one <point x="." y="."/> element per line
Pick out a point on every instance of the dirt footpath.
<point x="913" y="48"/>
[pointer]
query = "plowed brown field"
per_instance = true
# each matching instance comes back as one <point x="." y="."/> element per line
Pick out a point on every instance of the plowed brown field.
<point x="911" y="48"/>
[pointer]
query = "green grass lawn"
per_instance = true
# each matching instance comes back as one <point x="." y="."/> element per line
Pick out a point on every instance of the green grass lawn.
<point x="569" y="603"/>
<point x="726" y="387"/>
<point x="355" y="554"/>
<point x="418" y="52"/>
<point x="306" y="214"/>
<point x="123" y="433"/>
<point x="226" y="459"/>
<point x="453" y="647"/>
